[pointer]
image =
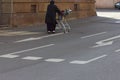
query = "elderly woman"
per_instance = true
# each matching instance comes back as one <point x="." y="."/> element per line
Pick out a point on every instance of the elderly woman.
<point x="50" y="18"/>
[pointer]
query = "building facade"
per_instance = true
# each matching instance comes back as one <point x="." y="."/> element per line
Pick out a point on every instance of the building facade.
<point x="30" y="12"/>
<point x="105" y="3"/>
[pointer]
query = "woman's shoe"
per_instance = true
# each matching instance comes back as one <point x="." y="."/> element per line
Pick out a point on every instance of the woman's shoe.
<point x="53" y="31"/>
<point x="48" y="32"/>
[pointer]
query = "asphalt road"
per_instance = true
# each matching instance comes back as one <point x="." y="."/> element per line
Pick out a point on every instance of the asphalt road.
<point x="90" y="51"/>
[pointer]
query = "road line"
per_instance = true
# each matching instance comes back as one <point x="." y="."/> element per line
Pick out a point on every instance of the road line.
<point x="94" y="59"/>
<point x="117" y="21"/>
<point x="85" y="62"/>
<point x="93" y="35"/>
<point x="78" y="62"/>
<point x="117" y="50"/>
<point x="27" y="50"/>
<point x="32" y="58"/>
<point x="38" y="38"/>
<point x="106" y="42"/>
<point x="9" y="56"/>
<point x="12" y="55"/>
<point x="54" y="60"/>
<point x="102" y="44"/>
<point x="112" y="38"/>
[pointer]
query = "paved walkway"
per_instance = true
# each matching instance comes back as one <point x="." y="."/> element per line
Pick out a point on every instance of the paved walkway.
<point x="40" y="29"/>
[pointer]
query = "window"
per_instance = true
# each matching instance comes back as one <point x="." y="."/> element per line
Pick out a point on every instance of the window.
<point x="0" y="7"/>
<point x="33" y="8"/>
<point x="76" y="7"/>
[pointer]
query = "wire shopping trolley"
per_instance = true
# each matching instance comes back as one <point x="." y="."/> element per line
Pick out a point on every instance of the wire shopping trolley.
<point x="62" y="21"/>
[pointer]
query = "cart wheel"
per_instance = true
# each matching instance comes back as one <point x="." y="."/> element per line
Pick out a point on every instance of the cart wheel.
<point x="65" y="31"/>
<point x="68" y="30"/>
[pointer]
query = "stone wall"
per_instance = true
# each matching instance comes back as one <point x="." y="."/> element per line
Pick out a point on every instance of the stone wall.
<point x="105" y="3"/>
<point x="29" y="12"/>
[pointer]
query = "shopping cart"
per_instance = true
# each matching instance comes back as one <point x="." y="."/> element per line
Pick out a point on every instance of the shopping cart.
<point x="62" y="21"/>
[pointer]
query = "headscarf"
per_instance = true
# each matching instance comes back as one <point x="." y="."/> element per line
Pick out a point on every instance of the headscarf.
<point x="52" y="2"/>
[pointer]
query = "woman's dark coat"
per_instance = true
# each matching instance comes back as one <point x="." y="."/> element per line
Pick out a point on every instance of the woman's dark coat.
<point x="51" y="14"/>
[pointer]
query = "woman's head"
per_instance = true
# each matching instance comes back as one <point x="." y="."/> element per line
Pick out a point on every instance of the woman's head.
<point x="52" y="2"/>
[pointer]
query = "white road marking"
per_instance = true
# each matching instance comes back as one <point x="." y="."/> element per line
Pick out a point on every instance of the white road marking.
<point x="103" y="44"/>
<point x="9" y="56"/>
<point x="78" y="62"/>
<point x="106" y="41"/>
<point x="117" y="50"/>
<point x="93" y="35"/>
<point x="12" y="55"/>
<point x="32" y="58"/>
<point x="27" y="50"/>
<point x="38" y="38"/>
<point x="112" y="38"/>
<point x="117" y="21"/>
<point x="85" y="62"/>
<point x="54" y="60"/>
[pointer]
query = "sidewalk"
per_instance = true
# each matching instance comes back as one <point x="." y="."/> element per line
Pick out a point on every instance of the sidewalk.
<point x="41" y="29"/>
<point x="27" y="30"/>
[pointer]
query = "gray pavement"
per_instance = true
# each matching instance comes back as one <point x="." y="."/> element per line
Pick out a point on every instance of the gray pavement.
<point x="90" y="51"/>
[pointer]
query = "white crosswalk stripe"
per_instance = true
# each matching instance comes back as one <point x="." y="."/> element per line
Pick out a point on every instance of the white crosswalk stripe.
<point x="54" y="60"/>
<point x="9" y="56"/>
<point x="32" y="58"/>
